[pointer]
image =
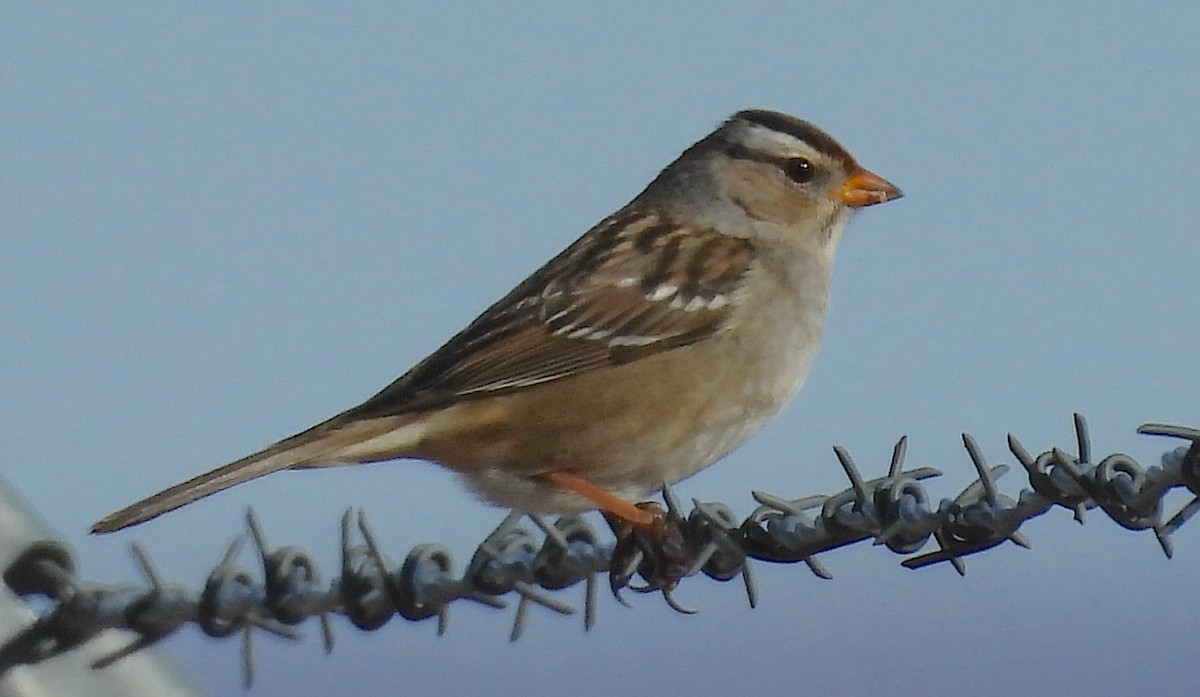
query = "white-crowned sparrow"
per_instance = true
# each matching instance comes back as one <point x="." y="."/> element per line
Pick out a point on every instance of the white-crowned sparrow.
<point x="658" y="342"/>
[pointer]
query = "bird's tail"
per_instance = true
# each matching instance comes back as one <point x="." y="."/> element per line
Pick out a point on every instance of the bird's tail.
<point x="324" y="444"/>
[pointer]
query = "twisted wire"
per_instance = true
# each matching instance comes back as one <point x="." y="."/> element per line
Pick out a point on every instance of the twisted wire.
<point x="894" y="511"/>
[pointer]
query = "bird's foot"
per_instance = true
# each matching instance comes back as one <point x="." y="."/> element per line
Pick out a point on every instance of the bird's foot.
<point x="651" y="540"/>
<point x="656" y="549"/>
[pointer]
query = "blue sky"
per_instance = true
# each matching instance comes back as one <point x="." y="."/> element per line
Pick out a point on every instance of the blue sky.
<point x="222" y="224"/>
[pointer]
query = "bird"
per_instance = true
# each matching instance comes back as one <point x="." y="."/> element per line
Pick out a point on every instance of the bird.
<point x="651" y="347"/>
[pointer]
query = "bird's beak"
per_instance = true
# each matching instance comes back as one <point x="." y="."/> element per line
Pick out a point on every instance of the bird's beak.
<point x="865" y="188"/>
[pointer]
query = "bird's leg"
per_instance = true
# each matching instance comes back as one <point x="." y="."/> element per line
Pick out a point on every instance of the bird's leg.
<point x="645" y="516"/>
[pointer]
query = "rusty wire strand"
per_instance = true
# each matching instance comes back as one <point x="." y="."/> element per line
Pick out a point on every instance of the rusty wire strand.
<point x="893" y="511"/>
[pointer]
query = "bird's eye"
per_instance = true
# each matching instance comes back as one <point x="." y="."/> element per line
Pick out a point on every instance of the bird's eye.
<point x="799" y="170"/>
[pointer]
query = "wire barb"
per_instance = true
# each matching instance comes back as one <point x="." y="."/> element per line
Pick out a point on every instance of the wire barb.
<point x="893" y="511"/>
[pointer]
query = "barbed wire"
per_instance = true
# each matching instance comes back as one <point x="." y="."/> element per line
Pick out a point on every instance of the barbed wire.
<point x="894" y="511"/>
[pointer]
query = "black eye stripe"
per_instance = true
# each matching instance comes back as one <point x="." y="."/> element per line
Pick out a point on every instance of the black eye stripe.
<point x="741" y="152"/>
<point x="785" y="164"/>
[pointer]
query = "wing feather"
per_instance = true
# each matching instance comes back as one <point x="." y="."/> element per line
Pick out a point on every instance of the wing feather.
<point x="637" y="284"/>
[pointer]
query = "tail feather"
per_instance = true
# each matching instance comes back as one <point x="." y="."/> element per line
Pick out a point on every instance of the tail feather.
<point x="321" y="445"/>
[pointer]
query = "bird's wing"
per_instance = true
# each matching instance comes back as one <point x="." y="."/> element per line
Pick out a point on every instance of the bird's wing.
<point x="635" y="285"/>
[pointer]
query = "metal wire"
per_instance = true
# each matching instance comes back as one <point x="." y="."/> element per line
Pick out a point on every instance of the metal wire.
<point x="894" y="511"/>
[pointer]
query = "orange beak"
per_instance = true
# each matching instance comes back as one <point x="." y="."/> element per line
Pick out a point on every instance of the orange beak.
<point x="865" y="188"/>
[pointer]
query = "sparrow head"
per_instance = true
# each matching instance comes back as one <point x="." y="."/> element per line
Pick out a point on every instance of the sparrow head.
<point x="768" y="167"/>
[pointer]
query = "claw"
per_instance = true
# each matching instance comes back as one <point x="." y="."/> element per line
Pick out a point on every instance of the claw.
<point x="674" y="604"/>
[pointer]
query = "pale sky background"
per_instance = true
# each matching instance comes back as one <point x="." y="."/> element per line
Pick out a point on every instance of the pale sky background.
<point x="221" y="225"/>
